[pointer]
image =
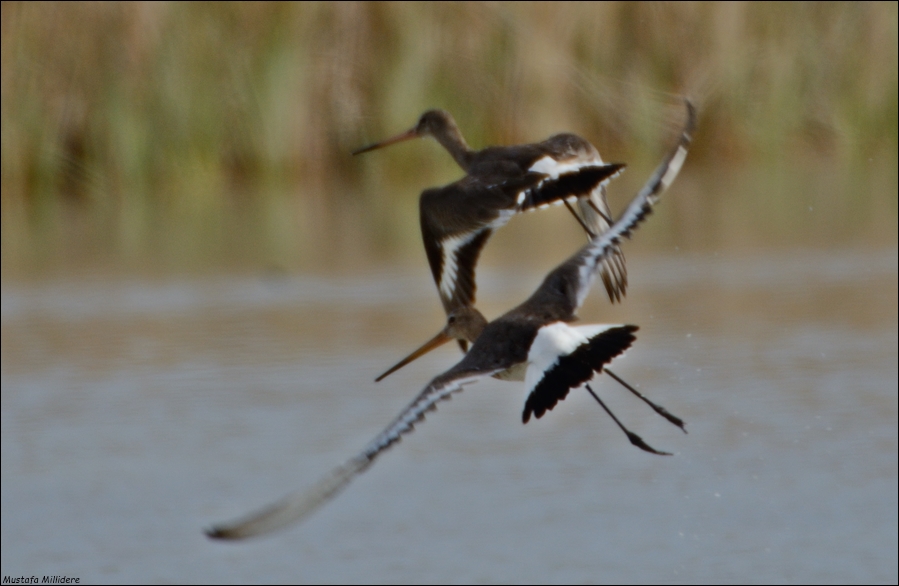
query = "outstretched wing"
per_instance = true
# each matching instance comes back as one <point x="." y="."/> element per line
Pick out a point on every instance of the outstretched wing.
<point x="598" y="218"/>
<point x="563" y="291"/>
<point x="568" y="153"/>
<point x="456" y="222"/>
<point x="572" y="186"/>
<point x="459" y="218"/>
<point x="298" y="505"/>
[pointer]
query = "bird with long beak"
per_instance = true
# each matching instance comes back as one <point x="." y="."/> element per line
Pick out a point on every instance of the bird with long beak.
<point x="535" y="338"/>
<point x="457" y="219"/>
<point x="464" y="321"/>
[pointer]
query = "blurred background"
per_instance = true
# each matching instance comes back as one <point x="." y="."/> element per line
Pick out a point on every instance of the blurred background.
<point x="188" y="136"/>
<point x="199" y="283"/>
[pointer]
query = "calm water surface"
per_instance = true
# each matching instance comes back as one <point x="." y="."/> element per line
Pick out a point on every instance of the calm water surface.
<point x="137" y="412"/>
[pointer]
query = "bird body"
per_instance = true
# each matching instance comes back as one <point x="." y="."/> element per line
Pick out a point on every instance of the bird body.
<point x="536" y="335"/>
<point x="457" y="219"/>
<point x="446" y="216"/>
<point x="514" y="341"/>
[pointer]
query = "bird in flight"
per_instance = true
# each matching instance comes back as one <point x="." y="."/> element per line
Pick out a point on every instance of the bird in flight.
<point x="458" y="219"/>
<point x="534" y="341"/>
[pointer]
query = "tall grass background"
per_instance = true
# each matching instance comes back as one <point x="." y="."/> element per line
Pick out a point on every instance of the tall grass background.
<point x="160" y="136"/>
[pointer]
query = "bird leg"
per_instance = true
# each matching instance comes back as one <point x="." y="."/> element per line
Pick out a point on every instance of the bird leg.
<point x="633" y="437"/>
<point x="657" y="408"/>
<point x="599" y="212"/>
<point x="590" y="234"/>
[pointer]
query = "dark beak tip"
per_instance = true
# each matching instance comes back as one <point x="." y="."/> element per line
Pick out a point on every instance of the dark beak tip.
<point x="409" y="134"/>
<point x="361" y="150"/>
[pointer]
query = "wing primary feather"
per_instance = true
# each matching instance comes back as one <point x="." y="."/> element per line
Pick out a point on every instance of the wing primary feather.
<point x="603" y="246"/>
<point x="575" y="184"/>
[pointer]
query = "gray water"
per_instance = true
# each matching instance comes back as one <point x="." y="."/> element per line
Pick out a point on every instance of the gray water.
<point x="136" y="412"/>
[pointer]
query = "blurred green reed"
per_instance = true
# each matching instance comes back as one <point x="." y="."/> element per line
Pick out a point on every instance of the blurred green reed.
<point x="183" y="134"/>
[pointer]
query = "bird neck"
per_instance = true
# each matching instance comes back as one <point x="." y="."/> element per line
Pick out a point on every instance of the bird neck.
<point x="475" y="323"/>
<point x="465" y="323"/>
<point x="475" y="330"/>
<point x="451" y="139"/>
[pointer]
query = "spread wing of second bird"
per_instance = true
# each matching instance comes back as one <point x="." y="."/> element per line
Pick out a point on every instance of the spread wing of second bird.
<point x="534" y="341"/>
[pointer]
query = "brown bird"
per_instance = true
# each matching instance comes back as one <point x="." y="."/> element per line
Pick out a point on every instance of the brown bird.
<point x="463" y="318"/>
<point x="533" y="341"/>
<point x="457" y="219"/>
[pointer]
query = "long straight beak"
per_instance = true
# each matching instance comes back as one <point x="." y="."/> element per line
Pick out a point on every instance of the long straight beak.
<point x="438" y="340"/>
<point x="398" y="138"/>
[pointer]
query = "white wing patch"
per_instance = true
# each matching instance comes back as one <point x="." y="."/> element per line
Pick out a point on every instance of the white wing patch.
<point x="504" y="215"/>
<point x="450" y="246"/>
<point x="674" y="167"/>
<point x="550" y="166"/>
<point x="554" y="169"/>
<point x="572" y="199"/>
<point x="553" y="342"/>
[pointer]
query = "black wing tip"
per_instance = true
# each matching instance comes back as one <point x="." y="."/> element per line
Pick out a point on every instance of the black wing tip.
<point x="575" y="184"/>
<point x="224" y="534"/>
<point x="537" y="411"/>
<point x="539" y="405"/>
<point x="615" y="339"/>
<point x="219" y="533"/>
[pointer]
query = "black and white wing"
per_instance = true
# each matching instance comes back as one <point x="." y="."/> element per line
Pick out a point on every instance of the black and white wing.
<point x="584" y="183"/>
<point x="572" y="154"/>
<point x="456" y="222"/>
<point x="648" y="196"/>
<point x="598" y="218"/>
<point x="574" y="186"/>
<point x="459" y="218"/>
<point x="563" y="291"/>
<point x="296" y="506"/>
<point x="564" y="357"/>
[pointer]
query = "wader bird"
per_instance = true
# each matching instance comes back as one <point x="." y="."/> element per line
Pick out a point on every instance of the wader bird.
<point x="457" y="219"/>
<point x="533" y="341"/>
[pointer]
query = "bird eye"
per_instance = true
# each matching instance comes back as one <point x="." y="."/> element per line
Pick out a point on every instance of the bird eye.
<point x="452" y="319"/>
